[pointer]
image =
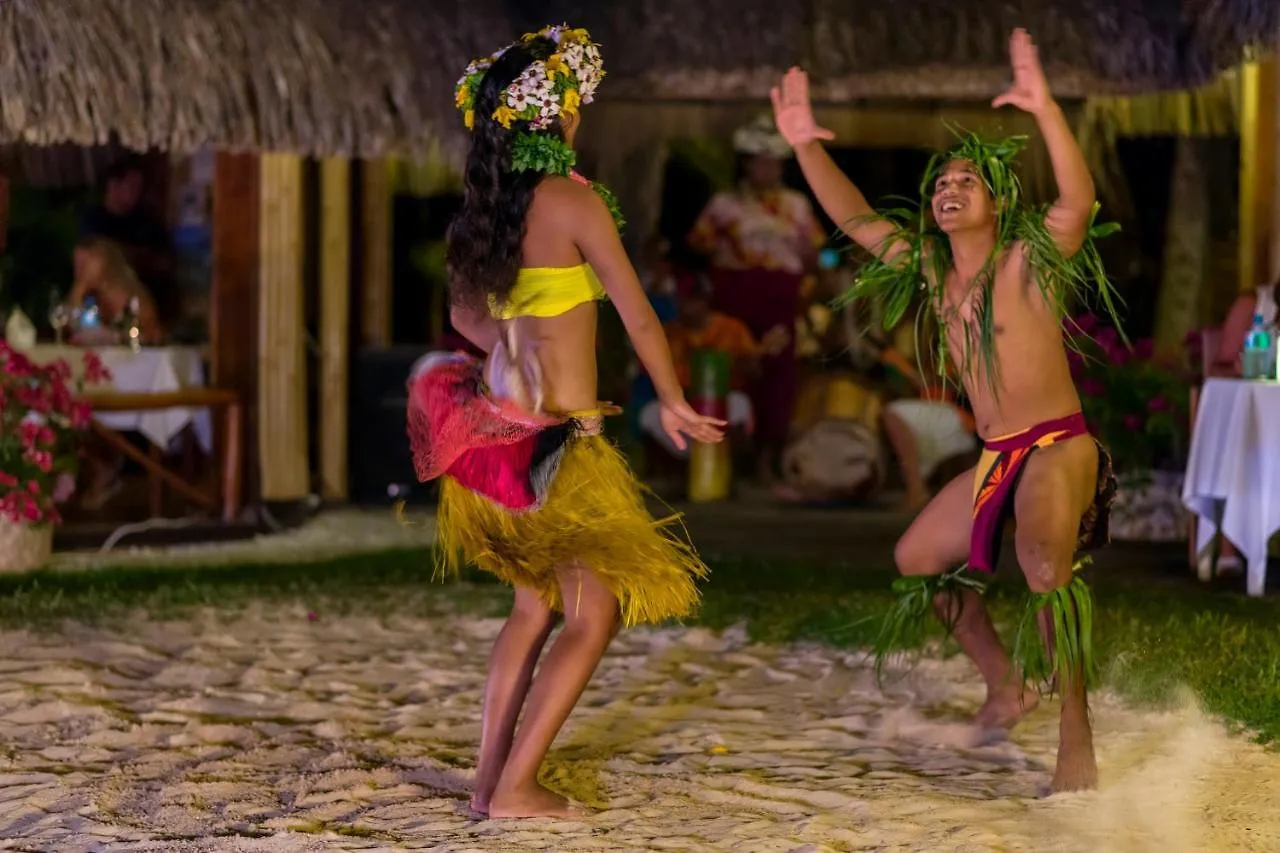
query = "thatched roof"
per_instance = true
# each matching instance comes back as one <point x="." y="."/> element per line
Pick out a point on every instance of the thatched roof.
<point x="374" y="77"/>
<point x="913" y="48"/>
<point x="353" y="77"/>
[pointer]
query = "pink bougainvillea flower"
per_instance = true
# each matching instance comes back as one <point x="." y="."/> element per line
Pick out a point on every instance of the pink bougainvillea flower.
<point x="1086" y="323"/>
<point x="1092" y="388"/>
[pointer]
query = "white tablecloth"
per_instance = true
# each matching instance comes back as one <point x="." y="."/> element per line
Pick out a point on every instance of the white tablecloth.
<point x="1233" y="471"/>
<point x="151" y="370"/>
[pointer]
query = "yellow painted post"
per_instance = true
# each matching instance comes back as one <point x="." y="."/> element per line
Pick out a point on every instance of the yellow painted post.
<point x="282" y="365"/>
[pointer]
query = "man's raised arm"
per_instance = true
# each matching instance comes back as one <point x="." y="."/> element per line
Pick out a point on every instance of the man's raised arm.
<point x="842" y="201"/>
<point x="1067" y="220"/>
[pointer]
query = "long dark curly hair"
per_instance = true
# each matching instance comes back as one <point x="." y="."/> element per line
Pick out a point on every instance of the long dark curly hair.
<point x="485" y="239"/>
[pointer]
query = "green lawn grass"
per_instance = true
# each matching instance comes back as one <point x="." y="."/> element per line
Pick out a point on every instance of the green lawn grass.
<point x="1152" y="638"/>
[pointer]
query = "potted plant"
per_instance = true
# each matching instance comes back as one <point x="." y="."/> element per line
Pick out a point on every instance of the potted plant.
<point x="41" y="419"/>
<point x="1136" y="404"/>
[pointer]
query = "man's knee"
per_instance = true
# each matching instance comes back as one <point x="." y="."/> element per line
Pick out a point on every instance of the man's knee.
<point x="914" y="556"/>
<point x="1045" y="561"/>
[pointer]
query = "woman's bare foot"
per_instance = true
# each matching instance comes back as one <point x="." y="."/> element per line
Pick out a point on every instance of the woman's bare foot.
<point x="484" y="792"/>
<point x="534" y="801"/>
<point x="1005" y="707"/>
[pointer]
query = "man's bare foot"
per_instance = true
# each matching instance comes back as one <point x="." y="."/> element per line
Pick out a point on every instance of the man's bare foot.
<point x="1077" y="768"/>
<point x="534" y="801"/>
<point x="1005" y="707"/>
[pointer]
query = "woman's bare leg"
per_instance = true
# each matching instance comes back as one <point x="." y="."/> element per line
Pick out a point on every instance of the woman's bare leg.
<point x="511" y="664"/>
<point x="590" y="623"/>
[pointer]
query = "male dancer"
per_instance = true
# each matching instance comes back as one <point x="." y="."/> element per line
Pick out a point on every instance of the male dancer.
<point x="996" y="275"/>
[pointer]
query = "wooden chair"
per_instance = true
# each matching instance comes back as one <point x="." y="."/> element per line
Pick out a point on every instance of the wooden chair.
<point x="230" y="454"/>
<point x="1209" y="342"/>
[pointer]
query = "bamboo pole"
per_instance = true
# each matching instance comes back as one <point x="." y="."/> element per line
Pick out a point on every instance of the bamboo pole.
<point x="335" y="315"/>
<point x="282" y="365"/>
<point x="375" y="235"/>
<point x="1259" y="112"/>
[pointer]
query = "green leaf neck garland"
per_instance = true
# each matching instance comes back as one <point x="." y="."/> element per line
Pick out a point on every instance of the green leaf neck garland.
<point x="921" y="269"/>
<point x="544" y="152"/>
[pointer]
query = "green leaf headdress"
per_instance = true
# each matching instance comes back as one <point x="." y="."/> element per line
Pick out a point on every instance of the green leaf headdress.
<point x="919" y="272"/>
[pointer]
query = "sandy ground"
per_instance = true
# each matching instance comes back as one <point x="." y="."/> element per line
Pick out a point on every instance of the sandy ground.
<point x="282" y="730"/>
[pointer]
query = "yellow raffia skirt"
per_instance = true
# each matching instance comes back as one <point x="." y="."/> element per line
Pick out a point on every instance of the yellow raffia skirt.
<point x="594" y="515"/>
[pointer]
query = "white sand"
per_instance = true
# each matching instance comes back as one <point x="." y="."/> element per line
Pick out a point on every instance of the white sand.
<point x="199" y="735"/>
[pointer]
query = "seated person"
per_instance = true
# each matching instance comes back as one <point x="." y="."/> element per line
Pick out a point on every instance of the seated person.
<point x="924" y="426"/>
<point x="102" y="272"/>
<point x="697" y="327"/>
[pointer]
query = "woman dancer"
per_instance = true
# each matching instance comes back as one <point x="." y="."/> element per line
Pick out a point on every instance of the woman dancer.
<point x="531" y="490"/>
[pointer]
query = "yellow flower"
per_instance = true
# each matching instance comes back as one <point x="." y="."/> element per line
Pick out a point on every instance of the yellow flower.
<point x="576" y="35"/>
<point x="555" y="64"/>
<point x="469" y="119"/>
<point x="460" y="96"/>
<point x="504" y="115"/>
<point x="571" y="99"/>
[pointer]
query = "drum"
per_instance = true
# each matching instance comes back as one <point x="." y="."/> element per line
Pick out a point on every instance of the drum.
<point x="710" y="465"/>
<point x="834" y="452"/>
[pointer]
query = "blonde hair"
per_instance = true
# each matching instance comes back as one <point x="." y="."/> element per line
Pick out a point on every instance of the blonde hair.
<point x="117" y="272"/>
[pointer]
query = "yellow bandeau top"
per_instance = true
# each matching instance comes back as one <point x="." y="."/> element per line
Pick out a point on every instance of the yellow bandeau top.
<point x="549" y="292"/>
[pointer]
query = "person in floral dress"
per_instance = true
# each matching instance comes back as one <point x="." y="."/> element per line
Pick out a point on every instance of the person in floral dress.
<point x="761" y="240"/>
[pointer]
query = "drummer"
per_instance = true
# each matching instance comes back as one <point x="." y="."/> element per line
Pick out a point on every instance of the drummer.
<point x="698" y="327"/>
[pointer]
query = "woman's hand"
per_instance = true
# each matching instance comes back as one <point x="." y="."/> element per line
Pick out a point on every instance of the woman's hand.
<point x="679" y="420"/>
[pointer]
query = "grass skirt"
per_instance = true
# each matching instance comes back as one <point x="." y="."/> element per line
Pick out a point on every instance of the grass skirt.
<point x="523" y="495"/>
<point x="593" y="515"/>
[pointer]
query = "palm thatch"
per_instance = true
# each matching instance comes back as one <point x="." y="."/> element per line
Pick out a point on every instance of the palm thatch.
<point x="372" y="78"/>
<point x="913" y="48"/>
<point x="319" y="77"/>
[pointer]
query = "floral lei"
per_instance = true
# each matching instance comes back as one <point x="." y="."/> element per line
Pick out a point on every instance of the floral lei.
<point x="891" y="288"/>
<point x="538" y="97"/>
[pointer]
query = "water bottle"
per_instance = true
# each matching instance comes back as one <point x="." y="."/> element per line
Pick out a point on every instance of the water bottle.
<point x="1257" y="361"/>
<point x="90" y="317"/>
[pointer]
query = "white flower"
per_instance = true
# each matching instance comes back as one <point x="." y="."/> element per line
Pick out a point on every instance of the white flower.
<point x="517" y="100"/>
<point x="550" y="109"/>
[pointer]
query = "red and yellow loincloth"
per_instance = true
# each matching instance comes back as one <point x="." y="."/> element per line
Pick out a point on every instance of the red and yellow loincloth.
<point x="523" y="495"/>
<point x="996" y="480"/>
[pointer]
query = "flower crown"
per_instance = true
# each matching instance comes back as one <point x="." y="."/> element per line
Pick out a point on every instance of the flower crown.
<point x="546" y="89"/>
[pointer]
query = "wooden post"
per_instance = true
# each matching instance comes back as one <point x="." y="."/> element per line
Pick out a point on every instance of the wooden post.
<point x="233" y="302"/>
<point x="4" y="214"/>
<point x="335" y="314"/>
<point x="375" y="238"/>
<point x="282" y="363"/>
<point x="1259" y="197"/>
